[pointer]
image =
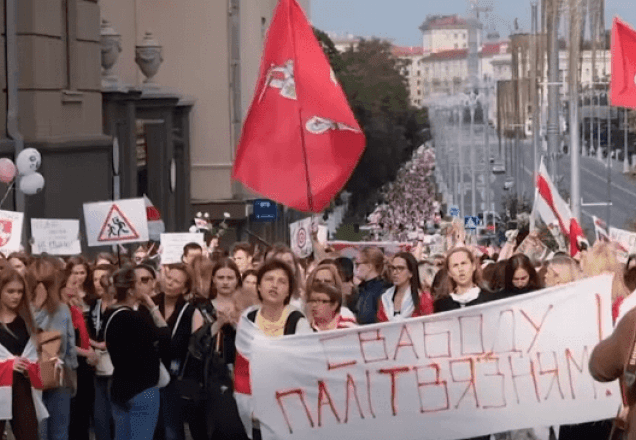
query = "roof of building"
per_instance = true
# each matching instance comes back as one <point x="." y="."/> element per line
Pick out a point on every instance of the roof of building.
<point x="443" y="22"/>
<point x="495" y="48"/>
<point x="402" y="51"/>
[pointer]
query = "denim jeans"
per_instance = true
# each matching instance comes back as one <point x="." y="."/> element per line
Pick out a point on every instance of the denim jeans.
<point x="58" y="404"/>
<point x="138" y="421"/>
<point x="103" y="415"/>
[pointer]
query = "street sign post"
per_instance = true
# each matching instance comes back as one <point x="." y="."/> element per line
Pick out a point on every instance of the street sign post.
<point x="471" y="222"/>
<point x="453" y="211"/>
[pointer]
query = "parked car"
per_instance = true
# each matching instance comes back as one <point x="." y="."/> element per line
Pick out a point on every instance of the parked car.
<point x="498" y="168"/>
<point x="509" y="183"/>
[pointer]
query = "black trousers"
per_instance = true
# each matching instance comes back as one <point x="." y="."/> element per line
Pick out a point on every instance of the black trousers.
<point x="25" y="422"/>
<point x="83" y="403"/>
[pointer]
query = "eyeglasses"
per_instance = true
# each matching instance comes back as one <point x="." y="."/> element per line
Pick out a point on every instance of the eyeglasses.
<point x="397" y="269"/>
<point x="145" y="280"/>
<point x="319" y="301"/>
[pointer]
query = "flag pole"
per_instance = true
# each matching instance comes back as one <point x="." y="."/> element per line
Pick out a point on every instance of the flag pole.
<point x="300" y="116"/>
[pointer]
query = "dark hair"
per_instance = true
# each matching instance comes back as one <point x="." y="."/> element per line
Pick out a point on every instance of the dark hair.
<point x="225" y="263"/>
<point x="243" y="246"/>
<point x="274" y="264"/>
<point x="631" y="258"/>
<point x="147" y="268"/>
<point x="630" y="279"/>
<point x="44" y="270"/>
<point x="411" y="265"/>
<point x="493" y="276"/>
<point x="521" y="261"/>
<point x="123" y="280"/>
<point x="249" y="272"/>
<point x="87" y="286"/>
<point x="191" y="247"/>
<point x="439" y="286"/>
<point x="112" y="259"/>
<point x="335" y="296"/>
<point x="345" y="267"/>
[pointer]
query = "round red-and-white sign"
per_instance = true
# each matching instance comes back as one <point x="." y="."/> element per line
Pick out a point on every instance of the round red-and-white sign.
<point x="301" y="237"/>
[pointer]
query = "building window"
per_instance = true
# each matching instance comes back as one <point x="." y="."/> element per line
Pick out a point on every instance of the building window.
<point x="418" y="82"/>
<point x="455" y="36"/>
<point x="456" y="46"/>
<point x="419" y="93"/>
<point x="419" y="73"/>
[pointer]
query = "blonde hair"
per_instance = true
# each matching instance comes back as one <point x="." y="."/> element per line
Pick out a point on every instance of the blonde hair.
<point x="572" y="271"/>
<point x="330" y="268"/>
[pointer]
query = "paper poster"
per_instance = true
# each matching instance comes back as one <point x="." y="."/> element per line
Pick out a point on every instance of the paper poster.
<point x="55" y="236"/>
<point x="172" y="245"/>
<point x="625" y="240"/>
<point x="10" y="231"/>
<point x="300" y="236"/>
<point x="471" y="372"/>
<point x="117" y="222"/>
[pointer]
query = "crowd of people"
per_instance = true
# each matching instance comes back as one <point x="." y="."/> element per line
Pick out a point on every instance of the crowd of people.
<point x="146" y="350"/>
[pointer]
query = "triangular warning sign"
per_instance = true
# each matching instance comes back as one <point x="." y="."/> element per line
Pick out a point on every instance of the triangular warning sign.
<point x="470" y="224"/>
<point x="117" y="227"/>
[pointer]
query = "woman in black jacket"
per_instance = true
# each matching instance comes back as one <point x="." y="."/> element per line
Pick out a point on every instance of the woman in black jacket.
<point x="133" y="338"/>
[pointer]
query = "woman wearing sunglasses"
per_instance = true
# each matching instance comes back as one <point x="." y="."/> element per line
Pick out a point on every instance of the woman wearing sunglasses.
<point x="404" y="299"/>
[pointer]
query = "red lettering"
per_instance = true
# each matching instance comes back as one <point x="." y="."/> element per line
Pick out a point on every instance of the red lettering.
<point x="376" y="338"/>
<point x="368" y="374"/>
<point x="301" y="394"/>
<point x="324" y="398"/>
<point x="464" y="335"/>
<point x="507" y="333"/>
<point x="431" y="352"/>
<point x="352" y="385"/>
<point x="394" y="372"/>
<point x="555" y="375"/>
<point x="532" y="374"/>
<point x="436" y="383"/>
<point x="569" y="357"/>
<point x="536" y="328"/>
<point x="502" y="382"/>
<point x="470" y="381"/>
<point x="333" y="366"/>
<point x="400" y="344"/>
<point x="599" y="316"/>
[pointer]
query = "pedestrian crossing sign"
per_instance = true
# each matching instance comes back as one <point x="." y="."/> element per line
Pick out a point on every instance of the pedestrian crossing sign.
<point x="471" y="222"/>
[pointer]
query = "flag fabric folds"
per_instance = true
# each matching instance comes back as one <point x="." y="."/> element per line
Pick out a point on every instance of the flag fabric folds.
<point x="552" y="208"/>
<point x="156" y="226"/>
<point x="300" y="141"/>
<point x="600" y="229"/>
<point x="623" y="79"/>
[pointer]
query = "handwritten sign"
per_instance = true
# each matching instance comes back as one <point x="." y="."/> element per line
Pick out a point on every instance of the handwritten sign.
<point x="172" y="245"/>
<point x="10" y="231"/>
<point x="55" y="236"/>
<point x="506" y="365"/>
<point x="626" y="241"/>
<point x="118" y="222"/>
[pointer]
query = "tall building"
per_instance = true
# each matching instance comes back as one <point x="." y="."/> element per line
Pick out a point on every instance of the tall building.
<point x="442" y="33"/>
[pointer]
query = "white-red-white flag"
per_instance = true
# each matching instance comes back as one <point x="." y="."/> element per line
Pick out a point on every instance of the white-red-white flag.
<point x="600" y="229"/>
<point x="156" y="227"/>
<point x="551" y="206"/>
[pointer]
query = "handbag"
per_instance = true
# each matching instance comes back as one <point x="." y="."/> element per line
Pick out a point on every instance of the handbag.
<point x="51" y="366"/>
<point x="104" y="366"/>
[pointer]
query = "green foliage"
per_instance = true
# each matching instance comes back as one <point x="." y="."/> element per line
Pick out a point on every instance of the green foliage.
<point x="378" y="94"/>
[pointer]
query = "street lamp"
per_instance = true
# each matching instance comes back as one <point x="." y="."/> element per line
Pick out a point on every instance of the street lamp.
<point x="472" y="103"/>
<point x="460" y="117"/>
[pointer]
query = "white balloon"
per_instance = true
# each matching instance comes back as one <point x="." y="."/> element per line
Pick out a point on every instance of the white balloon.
<point x="28" y="161"/>
<point x="31" y="183"/>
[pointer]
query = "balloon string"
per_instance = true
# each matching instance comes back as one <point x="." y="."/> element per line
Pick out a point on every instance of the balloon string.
<point x="7" y="193"/>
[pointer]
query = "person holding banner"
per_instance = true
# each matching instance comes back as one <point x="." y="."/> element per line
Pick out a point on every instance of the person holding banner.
<point x="18" y="352"/>
<point x="404" y="299"/>
<point x="324" y="302"/>
<point x="464" y="284"/>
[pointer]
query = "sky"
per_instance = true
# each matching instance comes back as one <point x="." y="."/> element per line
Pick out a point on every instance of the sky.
<point x="399" y="20"/>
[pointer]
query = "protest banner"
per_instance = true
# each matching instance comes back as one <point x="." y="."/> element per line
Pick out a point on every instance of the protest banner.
<point x="625" y="240"/>
<point x="10" y="231"/>
<point x="349" y="249"/>
<point x="55" y="236"/>
<point x="533" y="248"/>
<point x="300" y="236"/>
<point x="116" y="222"/>
<point x="172" y="245"/>
<point x="505" y="365"/>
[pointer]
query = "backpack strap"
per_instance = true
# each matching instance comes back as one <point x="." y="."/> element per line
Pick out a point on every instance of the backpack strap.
<point x="110" y="318"/>
<point x="292" y="321"/>
<point x="252" y="315"/>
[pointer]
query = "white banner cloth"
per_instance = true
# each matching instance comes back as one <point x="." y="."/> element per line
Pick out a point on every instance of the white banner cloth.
<point x="172" y="245"/>
<point x="510" y="364"/>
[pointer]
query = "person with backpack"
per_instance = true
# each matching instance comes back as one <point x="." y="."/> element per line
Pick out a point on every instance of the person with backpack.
<point x="274" y="317"/>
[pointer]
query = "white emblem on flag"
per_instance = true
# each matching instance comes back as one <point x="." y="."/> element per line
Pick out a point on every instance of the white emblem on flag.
<point x="281" y="77"/>
<point x="318" y="125"/>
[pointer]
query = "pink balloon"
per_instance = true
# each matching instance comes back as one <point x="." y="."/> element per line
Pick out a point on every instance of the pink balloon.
<point x="7" y="170"/>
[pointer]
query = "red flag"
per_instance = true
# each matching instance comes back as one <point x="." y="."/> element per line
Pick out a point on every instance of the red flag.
<point x="623" y="81"/>
<point x="300" y="141"/>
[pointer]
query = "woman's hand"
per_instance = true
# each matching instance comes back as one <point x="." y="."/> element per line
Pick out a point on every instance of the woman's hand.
<point x="92" y="358"/>
<point x="147" y="301"/>
<point x="20" y="365"/>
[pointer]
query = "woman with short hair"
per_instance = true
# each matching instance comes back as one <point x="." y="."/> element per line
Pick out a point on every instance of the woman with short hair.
<point x="324" y="303"/>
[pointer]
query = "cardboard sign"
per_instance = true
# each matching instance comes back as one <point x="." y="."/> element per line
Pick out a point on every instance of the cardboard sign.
<point x="55" y="236"/>
<point x="505" y="365"/>
<point x="300" y="236"/>
<point x="534" y="249"/>
<point x="10" y="231"/>
<point x="172" y="245"/>
<point x="116" y="222"/>
<point x="625" y="240"/>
